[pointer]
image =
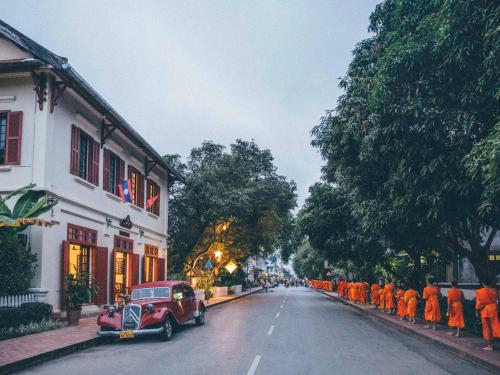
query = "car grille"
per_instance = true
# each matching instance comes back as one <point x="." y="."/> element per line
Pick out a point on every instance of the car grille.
<point x="131" y="317"/>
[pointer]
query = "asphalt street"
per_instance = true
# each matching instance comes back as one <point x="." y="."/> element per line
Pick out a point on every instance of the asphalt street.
<point x="287" y="331"/>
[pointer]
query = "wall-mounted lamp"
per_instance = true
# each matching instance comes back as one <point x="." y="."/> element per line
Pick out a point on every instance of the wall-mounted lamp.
<point x="141" y="232"/>
<point x="108" y="221"/>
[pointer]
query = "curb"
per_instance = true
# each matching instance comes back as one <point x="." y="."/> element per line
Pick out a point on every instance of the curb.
<point x="43" y="357"/>
<point x="458" y="352"/>
<point x="232" y="299"/>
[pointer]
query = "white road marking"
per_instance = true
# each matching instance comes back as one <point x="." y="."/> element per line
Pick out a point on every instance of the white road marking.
<point x="278" y="315"/>
<point x="270" y="332"/>
<point x="254" y="365"/>
<point x="281" y="306"/>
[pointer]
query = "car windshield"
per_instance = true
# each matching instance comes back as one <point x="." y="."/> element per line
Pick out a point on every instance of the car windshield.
<point x="144" y="293"/>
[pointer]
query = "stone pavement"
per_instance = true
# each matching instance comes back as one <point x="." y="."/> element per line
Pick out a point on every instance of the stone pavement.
<point x="467" y="346"/>
<point x="20" y="352"/>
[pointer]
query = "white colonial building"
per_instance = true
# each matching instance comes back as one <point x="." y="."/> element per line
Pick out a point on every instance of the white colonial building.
<point x="57" y="132"/>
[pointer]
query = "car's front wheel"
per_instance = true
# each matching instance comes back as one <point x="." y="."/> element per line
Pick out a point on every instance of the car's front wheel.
<point x="200" y="319"/>
<point x="168" y="330"/>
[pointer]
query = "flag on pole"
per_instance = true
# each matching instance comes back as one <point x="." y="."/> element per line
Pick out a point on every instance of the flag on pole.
<point x="151" y="201"/>
<point x="126" y="192"/>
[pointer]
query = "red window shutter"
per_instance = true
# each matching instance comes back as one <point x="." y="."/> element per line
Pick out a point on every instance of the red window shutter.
<point x="140" y="188"/>
<point x="105" y="171"/>
<point x="14" y="131"/>
<point x="143" y="278"/>
<point x="135" y="271"/>
<point x="101" y="274"/>
<point x="161" y="269"/>
<point x="122" y="170"/>
<point x="157" y="202"/>
<point x="65" y="266"/>
<point x="75" y="150"/>
<point x="94" y="175"/>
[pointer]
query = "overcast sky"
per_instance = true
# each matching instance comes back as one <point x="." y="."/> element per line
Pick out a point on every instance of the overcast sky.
<point x="182" y="72"/>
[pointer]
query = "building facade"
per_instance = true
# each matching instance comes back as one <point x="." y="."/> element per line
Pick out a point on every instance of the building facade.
<point x="57" y="132"/>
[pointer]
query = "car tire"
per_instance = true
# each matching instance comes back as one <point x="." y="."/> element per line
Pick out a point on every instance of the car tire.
<point x="200" y="319"/>
<point x="168" y="330"/>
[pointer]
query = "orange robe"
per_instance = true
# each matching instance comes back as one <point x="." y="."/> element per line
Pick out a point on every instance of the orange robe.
<point x="455" y="308"/>
<point x="381" y="299"/>
<point x="486" y="304"/>
<point x="363" y="292"/>
<point x="374" y="293"/>
<point x="400" y="293"/>
<point x="410" y="298"/>
<point x="389" y="296"/>
<point x="432" y="311"/>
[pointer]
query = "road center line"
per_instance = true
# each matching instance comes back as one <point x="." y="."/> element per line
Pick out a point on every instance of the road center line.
<point x="254" y="365"/>
<point x="281" y="306"/>
<point x="270" y="332"/>
<point x="278" y="315"/>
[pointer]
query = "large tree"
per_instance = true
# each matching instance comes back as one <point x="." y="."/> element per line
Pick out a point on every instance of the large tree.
<point x="418" y="96"/>
<point x="233" y="200"/>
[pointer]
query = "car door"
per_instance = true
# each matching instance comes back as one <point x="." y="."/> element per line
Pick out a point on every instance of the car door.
<point x="189" y="301"/>
<point x="177" y="305"/>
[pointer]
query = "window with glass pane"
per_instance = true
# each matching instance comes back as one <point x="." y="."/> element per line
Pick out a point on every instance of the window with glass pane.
<point x="84" y="155"/>
<point x="3" y="136"/>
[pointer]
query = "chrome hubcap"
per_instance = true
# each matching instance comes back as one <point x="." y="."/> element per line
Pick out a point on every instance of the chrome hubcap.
<point x="168" y="328"/>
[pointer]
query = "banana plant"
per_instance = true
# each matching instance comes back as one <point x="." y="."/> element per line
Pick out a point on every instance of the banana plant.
<point x="28" y="207"/>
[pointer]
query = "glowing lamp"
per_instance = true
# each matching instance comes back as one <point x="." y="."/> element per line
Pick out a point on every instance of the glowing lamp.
<point x="231" y="266"/>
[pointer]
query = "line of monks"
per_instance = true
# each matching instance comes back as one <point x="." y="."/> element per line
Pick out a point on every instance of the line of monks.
<point x="403" y="302"/>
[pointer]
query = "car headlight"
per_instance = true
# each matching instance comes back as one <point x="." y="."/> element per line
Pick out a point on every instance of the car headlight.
<point x="111" y="310"/>
<point x="149" y="307"/>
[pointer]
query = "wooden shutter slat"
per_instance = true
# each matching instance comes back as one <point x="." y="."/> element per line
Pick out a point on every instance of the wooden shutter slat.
<point x="75" y="150"/>
<point x="135" y="272"/>
<point x="157" y="202"/>
<point x="13" y="140"/>
<point x="101" y="274"/>
<point x="112" y="283"/>
<point x="140" y="188"/>
<point x="65" y="266"/>
<point x="95" y="163"/>
<point x="105" y="170"/>
<point x="161" y="269"/>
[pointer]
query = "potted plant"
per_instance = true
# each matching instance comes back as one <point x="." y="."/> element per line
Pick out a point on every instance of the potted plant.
<point x="78" y="288"/>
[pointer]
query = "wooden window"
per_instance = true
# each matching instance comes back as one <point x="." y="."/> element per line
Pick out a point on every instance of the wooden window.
<point x="113" y="172"/>
<point x="124" y="244"/>
<point x="153" y="191"/>
<point x="10" y="137"/>
<point x="85" y="153"/>
<point x="82" y="235"/>
<point x="137" y="184"/>
<point x="150" y="270"/>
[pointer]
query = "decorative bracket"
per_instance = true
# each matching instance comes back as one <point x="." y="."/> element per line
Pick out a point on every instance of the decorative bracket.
<point x="58" y="88"/>
<point x="40" y="87"/>
<point x="106" y="130"/>
<point x="148" y="166"/>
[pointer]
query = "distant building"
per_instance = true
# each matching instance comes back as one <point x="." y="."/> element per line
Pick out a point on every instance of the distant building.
<point x="59" y="133"/>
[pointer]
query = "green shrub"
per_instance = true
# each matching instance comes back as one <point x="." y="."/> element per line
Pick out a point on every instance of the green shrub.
<point x="17" y="265"/>
<point x="230" y="292"/>
<point x="12" y="317"/>
<point x="29" y="328"/>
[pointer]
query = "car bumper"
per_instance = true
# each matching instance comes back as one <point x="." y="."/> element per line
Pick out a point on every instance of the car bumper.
<point x="137" y="332"/>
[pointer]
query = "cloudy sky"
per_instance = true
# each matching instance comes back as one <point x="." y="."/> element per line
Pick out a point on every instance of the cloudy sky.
<point x="182" y="72"/>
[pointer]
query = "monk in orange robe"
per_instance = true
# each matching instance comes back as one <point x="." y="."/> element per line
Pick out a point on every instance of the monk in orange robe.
<point x="400" y="294"/>
<point x="432" y="312"/>
<point x="374" y="293"/>
<point x="389" y="297"/>
<point x="455" y="309"/>
<point x="381" y="298"/>
<point x="363" y="292"/>
<point x="411" y="300"/>
<point x="487" y="306"/>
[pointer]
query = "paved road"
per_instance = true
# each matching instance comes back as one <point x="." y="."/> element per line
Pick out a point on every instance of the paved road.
<point x="288" y="331"/>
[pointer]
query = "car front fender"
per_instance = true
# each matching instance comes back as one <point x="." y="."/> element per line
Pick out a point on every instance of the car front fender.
<point x="110" y="321"/>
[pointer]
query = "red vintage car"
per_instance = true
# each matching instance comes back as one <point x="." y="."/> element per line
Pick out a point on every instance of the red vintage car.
<point x="153" y="309"/>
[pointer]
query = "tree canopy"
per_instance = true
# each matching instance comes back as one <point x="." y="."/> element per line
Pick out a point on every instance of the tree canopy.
<point x="232" y="199"/>
<point x="412" y="141"/>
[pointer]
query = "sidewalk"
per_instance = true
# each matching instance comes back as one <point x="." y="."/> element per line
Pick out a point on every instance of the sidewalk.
<point x="467" y="346"/>
<point x="25" y="351"/>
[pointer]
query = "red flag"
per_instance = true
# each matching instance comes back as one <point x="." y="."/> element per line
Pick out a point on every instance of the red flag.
<point x="151" y="201"/>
